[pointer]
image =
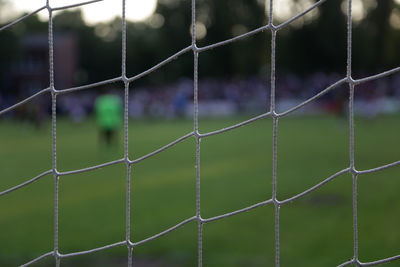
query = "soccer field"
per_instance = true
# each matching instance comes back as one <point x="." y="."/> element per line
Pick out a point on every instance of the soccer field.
<point x="236" y="172"/>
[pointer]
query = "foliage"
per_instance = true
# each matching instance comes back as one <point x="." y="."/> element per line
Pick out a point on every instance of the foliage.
<point x="319" y="45"/>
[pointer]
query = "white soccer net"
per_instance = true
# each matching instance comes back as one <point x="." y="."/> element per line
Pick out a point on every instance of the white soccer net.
<point x="198" y="136"/>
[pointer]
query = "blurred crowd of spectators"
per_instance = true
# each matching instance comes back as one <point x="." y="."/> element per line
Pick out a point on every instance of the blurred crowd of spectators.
<point x="219" y="96"/>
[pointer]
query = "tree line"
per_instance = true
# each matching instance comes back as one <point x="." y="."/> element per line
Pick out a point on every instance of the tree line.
<point x="318" y="45"/>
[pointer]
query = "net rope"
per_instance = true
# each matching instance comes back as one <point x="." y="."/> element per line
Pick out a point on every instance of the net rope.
<point x="352" y="83"/>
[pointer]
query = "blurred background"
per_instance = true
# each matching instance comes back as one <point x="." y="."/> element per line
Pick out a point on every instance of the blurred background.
<point x="236" y="167"/>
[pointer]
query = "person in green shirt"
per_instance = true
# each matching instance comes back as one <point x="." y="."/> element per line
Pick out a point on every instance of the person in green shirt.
<point x="108" y="109"/>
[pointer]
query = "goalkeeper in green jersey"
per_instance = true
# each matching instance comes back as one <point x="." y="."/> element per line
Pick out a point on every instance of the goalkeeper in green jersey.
<point x="109" y="112"/>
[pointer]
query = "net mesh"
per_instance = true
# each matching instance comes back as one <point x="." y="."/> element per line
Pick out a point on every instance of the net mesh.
<point x="352" y="83"/>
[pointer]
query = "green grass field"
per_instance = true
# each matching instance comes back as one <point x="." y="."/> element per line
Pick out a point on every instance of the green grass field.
<point x="236" y="171"/>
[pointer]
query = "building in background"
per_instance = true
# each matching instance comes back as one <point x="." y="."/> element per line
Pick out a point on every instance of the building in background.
<point x="30" y="72"/>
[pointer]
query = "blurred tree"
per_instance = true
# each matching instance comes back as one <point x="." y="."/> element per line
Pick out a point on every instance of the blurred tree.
<point x="377" y="42"/>
<point x="219" y="20"/>
<point x="318" y="45"/>
<point x="227" y="19"/>
<point x="10" y="48"/>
